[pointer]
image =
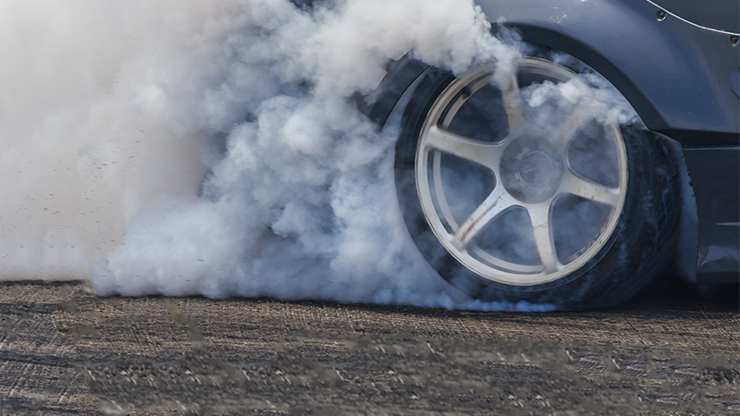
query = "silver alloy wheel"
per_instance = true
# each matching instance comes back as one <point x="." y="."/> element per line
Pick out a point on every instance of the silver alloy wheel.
<point x="532" y="171"/>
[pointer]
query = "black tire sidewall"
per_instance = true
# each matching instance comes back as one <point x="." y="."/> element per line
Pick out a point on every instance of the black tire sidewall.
<point x="631" y="256"/>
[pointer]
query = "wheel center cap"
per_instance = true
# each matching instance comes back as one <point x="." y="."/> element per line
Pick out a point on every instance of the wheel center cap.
<point x="531" y="169"/>
<point x="536" y="168"/>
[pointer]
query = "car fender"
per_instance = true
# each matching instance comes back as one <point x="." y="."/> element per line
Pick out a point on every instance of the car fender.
<point x="677" y="76"/>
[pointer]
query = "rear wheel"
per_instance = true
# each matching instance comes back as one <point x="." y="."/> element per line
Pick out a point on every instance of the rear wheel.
<point x="541" y="203"/>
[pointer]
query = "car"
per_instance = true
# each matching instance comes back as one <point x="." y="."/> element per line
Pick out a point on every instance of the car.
<point x="584" y="214"/>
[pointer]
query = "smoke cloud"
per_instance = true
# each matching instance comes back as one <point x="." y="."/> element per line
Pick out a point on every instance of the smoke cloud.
<point x="197" y="147"/>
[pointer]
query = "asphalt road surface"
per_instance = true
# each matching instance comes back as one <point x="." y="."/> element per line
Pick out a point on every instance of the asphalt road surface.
<point x="66" y="351"/>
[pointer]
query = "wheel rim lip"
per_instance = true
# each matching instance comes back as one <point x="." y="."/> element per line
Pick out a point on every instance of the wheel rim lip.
<point x="507" y="272"/>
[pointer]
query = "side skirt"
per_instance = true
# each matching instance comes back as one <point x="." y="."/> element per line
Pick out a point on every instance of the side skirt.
<point x="715" y="177"/>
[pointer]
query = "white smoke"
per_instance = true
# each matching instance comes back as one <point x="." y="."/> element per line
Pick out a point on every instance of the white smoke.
<point x="98" y="115"/>
<point x="202" y="147"/>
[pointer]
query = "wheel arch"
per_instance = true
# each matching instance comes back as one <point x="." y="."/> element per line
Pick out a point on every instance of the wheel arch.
<point x="401" y="75"/>
<point x="557" y="41"/>
<point x="676" y="75"/>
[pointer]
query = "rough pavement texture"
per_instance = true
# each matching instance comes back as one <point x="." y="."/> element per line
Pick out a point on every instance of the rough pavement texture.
<point x="37" y="363"/>
<point x="66" y="351"/>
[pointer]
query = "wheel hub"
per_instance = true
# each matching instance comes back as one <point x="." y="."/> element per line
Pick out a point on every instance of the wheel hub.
<point x="531" y="169"/>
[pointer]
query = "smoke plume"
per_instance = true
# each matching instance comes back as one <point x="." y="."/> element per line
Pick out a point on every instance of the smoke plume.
<point x="197" y="147"/>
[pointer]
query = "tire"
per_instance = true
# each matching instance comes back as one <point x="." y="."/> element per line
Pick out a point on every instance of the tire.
<point x="473" y="164"/>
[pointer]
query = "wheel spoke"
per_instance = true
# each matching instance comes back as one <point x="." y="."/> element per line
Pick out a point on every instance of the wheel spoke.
<point x="482" y="153"/>
<point x="586" y="189"/>
<point x="512" y="99"/>
<point x="568" y="128"/>
<point x="495" y="203"/>
<point x="539" y="214"/>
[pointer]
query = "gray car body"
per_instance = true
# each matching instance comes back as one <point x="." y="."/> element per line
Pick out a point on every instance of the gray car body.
<point x="676" y="61"/>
